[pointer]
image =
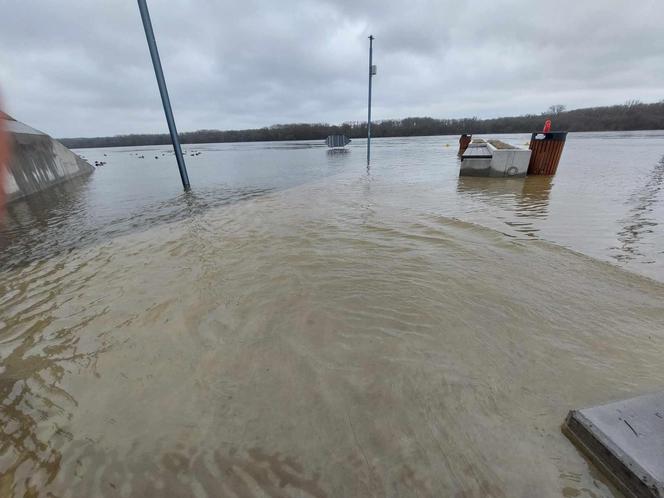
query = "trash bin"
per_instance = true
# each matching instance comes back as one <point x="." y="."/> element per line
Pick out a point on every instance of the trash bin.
<point x="546" y="151"/>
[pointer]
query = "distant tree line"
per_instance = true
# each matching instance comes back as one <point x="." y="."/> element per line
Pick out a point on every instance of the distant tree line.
<point x="633" y="115"/>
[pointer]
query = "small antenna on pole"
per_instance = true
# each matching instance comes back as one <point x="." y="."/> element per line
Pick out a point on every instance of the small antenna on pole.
<point x="161" y="82"/>
<point x="372" y="72"/>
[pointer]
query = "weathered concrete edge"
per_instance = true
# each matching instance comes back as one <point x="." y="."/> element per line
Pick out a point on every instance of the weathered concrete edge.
<point x="64" y="165"/>
<point x="632" y="479"/>
<point x="17" y="196"/>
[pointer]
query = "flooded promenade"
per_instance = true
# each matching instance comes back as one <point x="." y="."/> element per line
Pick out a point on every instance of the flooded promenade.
<point x="302" y="327"/>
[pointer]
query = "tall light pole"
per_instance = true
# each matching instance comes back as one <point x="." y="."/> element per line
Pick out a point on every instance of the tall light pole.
<point x="161" y="82"/>
<point x="372" y="71"/>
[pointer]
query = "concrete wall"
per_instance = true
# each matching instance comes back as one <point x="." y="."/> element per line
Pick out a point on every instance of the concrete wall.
<point x="510" y="162"/>
<point x="483" y="159"/>
<point x="38" y="162"/>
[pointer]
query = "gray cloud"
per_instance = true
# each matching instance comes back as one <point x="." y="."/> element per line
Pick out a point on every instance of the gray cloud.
<point x="81" y="68"/>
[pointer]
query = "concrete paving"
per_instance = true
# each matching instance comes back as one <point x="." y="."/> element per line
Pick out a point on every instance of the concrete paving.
<point x="625" y="439"/>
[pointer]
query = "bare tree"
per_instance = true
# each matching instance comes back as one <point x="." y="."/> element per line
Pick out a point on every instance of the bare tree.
<point x="556" y="109"/>
<point x="618" y="117"/>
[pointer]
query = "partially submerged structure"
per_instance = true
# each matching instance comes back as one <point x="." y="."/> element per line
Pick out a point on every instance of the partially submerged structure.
<point x="37" y="161"/>
<point x="625" y="439"/>
<point x="334" y="141"/>
<point x="494" y="158"/>
<point x="546" y="147"/>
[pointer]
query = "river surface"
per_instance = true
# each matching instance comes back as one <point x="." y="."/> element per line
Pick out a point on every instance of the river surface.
<point x="300" y="326"/>
<point x="606" y="201"/>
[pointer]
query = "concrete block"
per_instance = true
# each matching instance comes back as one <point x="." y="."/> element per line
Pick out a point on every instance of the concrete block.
<point x="485" y="159"/>
<point x="625" y="439"/>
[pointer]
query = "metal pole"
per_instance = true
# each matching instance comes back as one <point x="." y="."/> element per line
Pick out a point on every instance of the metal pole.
<point x="161" y="82"/>
<point x="371" y="38"/>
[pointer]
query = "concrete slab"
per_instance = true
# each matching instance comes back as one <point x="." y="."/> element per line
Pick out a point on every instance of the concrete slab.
<point x="625" y="439"/>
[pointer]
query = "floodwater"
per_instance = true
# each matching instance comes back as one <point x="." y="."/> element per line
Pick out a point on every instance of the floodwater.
<point x="298" y="326"/>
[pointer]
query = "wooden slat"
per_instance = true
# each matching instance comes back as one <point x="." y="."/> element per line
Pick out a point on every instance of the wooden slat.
<point x="545" y="156"/>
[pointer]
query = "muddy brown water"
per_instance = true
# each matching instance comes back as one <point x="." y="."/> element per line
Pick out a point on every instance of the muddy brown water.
<point x="337" y="337"/>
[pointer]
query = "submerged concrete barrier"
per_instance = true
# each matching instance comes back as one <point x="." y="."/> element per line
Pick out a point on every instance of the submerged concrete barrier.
<point x="38" y="161"/>
<point x="625" y="439"/>
<point x="494" y="158"/>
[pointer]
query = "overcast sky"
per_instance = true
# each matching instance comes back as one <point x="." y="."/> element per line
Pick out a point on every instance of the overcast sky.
<point x="82" y="67"/>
